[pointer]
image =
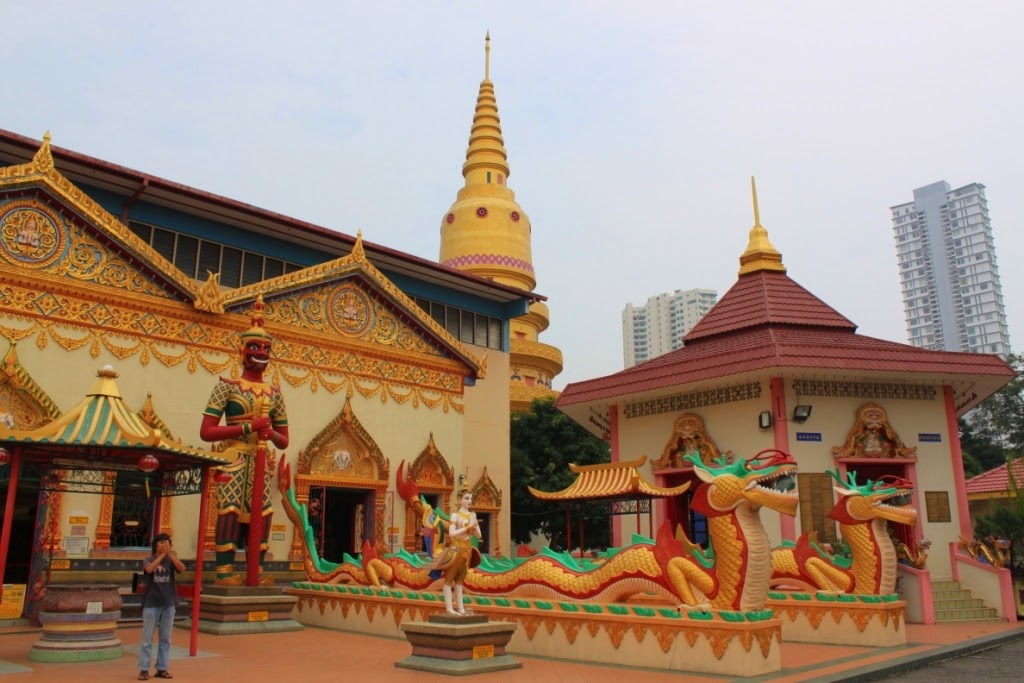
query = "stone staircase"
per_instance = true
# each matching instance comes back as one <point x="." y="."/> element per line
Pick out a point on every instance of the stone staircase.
<point x="953" y="603"/>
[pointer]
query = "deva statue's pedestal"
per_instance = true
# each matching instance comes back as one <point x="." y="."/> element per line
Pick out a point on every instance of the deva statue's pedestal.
<point x="458" y="645"/>
<point x="245" y="609"/>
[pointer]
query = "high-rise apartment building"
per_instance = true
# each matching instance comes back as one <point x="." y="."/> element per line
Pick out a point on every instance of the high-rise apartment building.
<point x="659" y="326"/>
<point x="952" y="298"/>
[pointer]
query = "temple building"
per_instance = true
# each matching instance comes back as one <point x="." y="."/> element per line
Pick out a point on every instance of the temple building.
<point x="382" y="358"/>
<point x="774" y="368"/>
<point x="487" y="233"/>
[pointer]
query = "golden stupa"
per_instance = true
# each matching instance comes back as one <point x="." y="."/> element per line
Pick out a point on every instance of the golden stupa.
<point x="487" y="233"/>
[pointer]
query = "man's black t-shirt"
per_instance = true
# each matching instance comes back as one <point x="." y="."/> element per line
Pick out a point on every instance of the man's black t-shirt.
<point x="160" y="588"/>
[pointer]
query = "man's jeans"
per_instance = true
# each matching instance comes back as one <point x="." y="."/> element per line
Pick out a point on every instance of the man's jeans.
<point x="151" y="616"/>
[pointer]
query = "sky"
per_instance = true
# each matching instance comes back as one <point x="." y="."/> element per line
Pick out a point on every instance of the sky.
<point x="632" y="129"/>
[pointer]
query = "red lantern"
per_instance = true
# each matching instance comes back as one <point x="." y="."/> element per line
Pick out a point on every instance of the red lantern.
<point x="222" y="477"/>
<point x="5" y="456"/>
<point x="148" y="463"/>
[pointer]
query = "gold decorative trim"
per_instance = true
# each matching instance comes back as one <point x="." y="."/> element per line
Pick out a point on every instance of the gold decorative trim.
<point x="694" y="399"/>
<point x="42" y="170"/>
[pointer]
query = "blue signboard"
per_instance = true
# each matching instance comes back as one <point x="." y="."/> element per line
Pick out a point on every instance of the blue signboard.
<point x="933" y="438"/>
<point x="808" y="436"/>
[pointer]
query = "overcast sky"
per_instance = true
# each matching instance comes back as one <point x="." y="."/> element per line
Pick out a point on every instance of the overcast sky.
<point x="632" y="128"/>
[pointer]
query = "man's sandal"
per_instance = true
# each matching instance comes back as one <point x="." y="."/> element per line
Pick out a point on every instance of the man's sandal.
<point x="163" y="674"/>
<point x="143" y="675"/>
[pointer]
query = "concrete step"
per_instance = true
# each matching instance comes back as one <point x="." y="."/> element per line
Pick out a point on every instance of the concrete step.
<point x="964" y="603"/>
<point x="977" y="613"/>
<point x="961" y="594"/>
<point x="945" y="586"/>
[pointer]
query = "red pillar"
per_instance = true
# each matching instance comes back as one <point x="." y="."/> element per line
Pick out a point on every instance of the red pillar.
<point x="613" y="439"/>
<point x="957" y="458"/>
<point x="252" y="547"/>
<point x="780" y="424"/>
<point x="197" y="580"/>
<point x="12" y="492"/>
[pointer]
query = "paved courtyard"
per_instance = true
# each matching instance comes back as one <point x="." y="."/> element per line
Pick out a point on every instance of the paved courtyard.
<point x="315" y="655"/>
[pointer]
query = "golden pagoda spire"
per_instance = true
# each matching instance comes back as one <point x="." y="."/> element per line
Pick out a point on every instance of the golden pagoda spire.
<point x="760" y="254"/>
<point x="487" y="233"/>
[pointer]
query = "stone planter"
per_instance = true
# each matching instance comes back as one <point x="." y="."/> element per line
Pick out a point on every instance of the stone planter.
<point x="79" y="624"/>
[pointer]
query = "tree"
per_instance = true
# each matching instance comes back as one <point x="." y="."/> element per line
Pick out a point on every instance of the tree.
<point x="544" y="442"/>
<point x="1000" y="418"/>
<point x="980" y="453"/>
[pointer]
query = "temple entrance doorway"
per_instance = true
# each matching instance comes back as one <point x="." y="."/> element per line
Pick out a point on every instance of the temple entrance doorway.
<point x="678" y="511"/>
<point x="876" y="471"/>
<point x="345" y="513"/>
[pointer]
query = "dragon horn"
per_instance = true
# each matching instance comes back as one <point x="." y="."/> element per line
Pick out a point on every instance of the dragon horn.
<point x="407" y="488"/>
<point x="284" y="475"/>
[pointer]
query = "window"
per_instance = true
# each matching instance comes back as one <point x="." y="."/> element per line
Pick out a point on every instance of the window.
<point x="195" y="257"/>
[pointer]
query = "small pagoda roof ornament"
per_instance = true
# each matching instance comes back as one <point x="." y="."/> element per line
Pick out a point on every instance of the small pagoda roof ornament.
<point x="760" y="254"/>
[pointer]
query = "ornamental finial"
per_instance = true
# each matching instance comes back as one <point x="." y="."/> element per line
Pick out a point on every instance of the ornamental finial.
<point x="357" y="249"/>
<point x="487" y="56"/>
<point x="43" y="159"/>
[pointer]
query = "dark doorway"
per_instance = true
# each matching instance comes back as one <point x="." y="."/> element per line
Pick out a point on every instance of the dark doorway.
<point x="693" y="523"/>
<point x="345" y="519"/>
<point x="484" y="519"/>
<point x="874" y="471"/>
<point x="23" y="532"/>
<point x="133" y="511"/>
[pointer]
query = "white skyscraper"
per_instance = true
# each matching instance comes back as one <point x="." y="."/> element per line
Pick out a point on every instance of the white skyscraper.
<point x="658" y="327"/>
<point x="952" y="299"/>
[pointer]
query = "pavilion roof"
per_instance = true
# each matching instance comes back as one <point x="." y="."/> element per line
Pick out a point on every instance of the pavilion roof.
<point x="101" y="427"/>
<point x="609" y="480"/>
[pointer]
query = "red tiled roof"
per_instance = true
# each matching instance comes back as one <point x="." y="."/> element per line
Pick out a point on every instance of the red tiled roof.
<point x="766" y="297"/>
<point x="996" y="480"/>
<point x="769" y="321"/>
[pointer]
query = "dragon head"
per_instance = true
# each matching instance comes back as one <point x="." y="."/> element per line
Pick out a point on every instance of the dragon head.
<point x="767" y="479"/>
<point x="887" y="498"/>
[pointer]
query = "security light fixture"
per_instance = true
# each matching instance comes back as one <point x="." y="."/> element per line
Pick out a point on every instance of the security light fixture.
<point x="801" y="413"/>
<point x="764" y="420"/>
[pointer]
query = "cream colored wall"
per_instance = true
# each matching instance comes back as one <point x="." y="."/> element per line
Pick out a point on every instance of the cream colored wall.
<point x="401" y="430"/>
<point x="486" y="438"/>
<point x="834" y="417"/>
<point x="733" y="426"/>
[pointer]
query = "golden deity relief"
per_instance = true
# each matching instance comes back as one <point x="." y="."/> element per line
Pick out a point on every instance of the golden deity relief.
<point x="689" y="437"/>
<point x="29" y="234"/>
<point x="872" y="436"/>
<point x="342" y="457"/>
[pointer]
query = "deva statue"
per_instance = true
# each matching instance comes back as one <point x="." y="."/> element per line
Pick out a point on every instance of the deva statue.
<point x="254" y="415"/>
<point x="460" y="555"/>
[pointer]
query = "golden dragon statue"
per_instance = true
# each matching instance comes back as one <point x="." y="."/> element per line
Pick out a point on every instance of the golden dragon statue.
<point x="732" y="574"/>
<point x="862" y="512"/>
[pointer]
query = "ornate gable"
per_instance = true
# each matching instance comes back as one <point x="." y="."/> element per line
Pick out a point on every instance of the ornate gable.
<point x="351" y="299"/>
<point x="51" y="230"/>
<point x="431" y="471"/>
<point x="344" y="451"/>
<point x="23" y="403"/>
<point x="486" y="494"/>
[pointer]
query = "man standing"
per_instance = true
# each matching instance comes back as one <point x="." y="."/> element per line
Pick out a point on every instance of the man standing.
<point x="158" y="603"/>
<point x="255" y="416"/>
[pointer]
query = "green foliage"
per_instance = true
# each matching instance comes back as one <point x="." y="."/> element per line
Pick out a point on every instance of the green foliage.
<point x="544" y="442"/>
<point x="978" y="442"/>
